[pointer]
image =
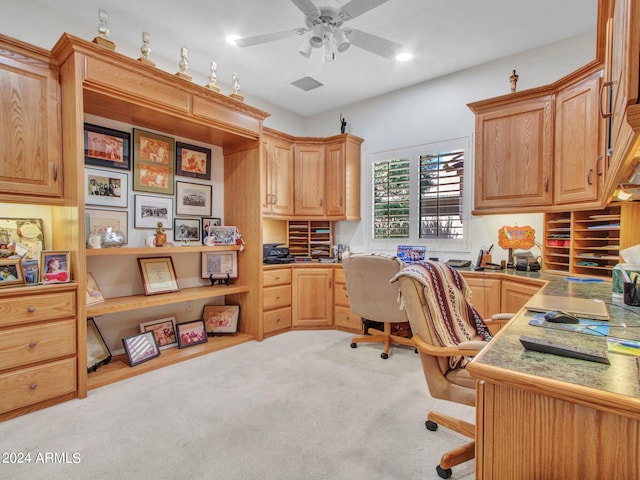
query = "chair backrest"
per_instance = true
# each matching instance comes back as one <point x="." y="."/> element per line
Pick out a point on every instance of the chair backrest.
<point x="370" y="294"/>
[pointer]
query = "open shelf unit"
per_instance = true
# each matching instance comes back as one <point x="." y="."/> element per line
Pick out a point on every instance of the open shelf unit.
<point x="557" y="241"/>
<point x="312" y="238"/>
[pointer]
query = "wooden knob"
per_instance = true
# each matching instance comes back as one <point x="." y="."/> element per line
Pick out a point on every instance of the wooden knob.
<point x="32" y="345"/>
<point x="31" y="309"/>
<point x="33" y="386"/>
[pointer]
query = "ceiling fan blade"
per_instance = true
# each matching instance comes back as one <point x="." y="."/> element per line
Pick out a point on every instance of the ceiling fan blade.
<point x="307" y="7"/>
<point x="268" y="37"/>
<point x="372" y="43"/>
<point x="355" y="8"/>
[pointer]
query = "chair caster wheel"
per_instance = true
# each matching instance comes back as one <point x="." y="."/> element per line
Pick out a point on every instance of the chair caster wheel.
<point x="354" y="345"/>
<point x="432" y="427"/>
<point x="443" y="473"/>
<point x="384" y="355"/>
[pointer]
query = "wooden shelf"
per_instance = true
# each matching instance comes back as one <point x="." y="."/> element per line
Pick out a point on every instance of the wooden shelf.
<point x="135" y="302"/>
<point x="119" y="369"/>
<point x="310" y="238"/>
<point x="101" y="252"/>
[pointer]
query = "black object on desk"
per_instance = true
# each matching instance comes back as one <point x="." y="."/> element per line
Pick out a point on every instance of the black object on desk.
<point x="564" y="350"/>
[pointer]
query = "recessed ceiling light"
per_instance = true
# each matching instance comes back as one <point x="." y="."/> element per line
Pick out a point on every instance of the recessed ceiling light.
<point x="232" y="39"/>
<point x="404" y="57"/>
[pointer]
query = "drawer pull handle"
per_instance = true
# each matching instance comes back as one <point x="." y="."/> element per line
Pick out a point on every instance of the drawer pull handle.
<point x="32" y="344"/>
<point x="31" y="309"/>
<point x="33" y="386"/>
<point x="277" y="298"/>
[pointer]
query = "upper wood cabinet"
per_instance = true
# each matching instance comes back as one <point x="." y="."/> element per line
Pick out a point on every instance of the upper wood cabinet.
<point x="277" y="199"/>
<point x="309" y="180"/>
<point x="30" y="153"/>
<point x="513" y="154"/>
<point x="579" y="154"/>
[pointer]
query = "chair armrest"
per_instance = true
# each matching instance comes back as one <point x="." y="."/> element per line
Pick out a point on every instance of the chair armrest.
<point x="471" y="348"/>
<point x="499" y="318"/>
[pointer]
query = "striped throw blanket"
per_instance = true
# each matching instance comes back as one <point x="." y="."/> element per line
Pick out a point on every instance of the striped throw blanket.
<point x="453" y="318"/>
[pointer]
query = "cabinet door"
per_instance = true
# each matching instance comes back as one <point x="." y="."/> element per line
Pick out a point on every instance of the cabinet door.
<point x="309" y="180"/>
<point x="278" y="178"/>
<point x="514" y="148"/>
<point x="485" y="295"/>
<point x="577" y="143"/>
<point x="30" y="154"/>
<point x="515" y="295"/>
<point x="336" y="180"/>
<point x="312" y="297"/>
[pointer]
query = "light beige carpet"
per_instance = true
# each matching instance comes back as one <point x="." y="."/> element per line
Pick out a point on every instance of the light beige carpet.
<point x="301" y="405"/>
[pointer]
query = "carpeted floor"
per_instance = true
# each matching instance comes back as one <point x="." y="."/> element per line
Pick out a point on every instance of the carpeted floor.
<point x="301" y="405"/>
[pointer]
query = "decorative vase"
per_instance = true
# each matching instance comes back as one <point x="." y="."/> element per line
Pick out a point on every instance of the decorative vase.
<point x="112" y="238"/>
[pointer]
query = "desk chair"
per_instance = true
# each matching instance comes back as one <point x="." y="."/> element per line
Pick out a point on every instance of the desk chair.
<point x="446" y="331"/>
<point x="373" y="298"/>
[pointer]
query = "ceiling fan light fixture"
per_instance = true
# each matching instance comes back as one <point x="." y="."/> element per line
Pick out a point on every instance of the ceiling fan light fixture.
<point x="404" y="57"/>
<point x="341" y="41"/>
<point x="305" y="48"/>
<point x="316" y="38"/>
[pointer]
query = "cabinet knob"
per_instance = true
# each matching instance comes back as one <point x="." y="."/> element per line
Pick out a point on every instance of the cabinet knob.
<point x="33" y="386"/>
<point x="32" y="344"/>
<point x="31" y="309"/>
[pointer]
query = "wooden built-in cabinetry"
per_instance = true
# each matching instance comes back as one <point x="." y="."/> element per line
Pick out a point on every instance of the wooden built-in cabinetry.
<point x="276" y="300"/>
<point x="312" y="291"/>
<point x="343" y="317"/>
<point x="312" y="238"/>
<point x="277" y="199"/>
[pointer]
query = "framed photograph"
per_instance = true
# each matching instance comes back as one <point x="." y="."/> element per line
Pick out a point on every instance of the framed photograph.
<point x="31" y="270"/>
<point x="208" y="223"/>
<point x="98" y="353"/>
<point x="191" y="333"/>
<point x="152" y="162"/>
<point x="140" y="348"/>
<point x="221" y="318"/>
<point x="193" y="199"/>
<point x="55" y="267"/>
<point x="193" y="161"/>
<point x="158" y="275"/>
<point x="11" y="274"/>
<point x="220" y="264"/>
<point x="105" y="147"/>
<point x="106" y="187"/>
<point x="222" y="236"/>
<point x="164" y="329"/>
<point x="93" y="292"/>
<point x="101" y="221"/>
<point x="151" y="210"/>
<point x="24" y="231"/>
<point x="186" y="229"/>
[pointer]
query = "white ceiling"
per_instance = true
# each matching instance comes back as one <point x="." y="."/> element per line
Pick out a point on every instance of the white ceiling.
<point x="444" y="35"/>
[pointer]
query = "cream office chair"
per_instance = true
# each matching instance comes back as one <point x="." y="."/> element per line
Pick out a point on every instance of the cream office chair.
<point x="372" y="297"/>
<point x="446" y="331"/>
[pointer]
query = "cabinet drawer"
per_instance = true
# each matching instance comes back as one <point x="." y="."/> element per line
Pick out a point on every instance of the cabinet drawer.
<point x="276" y="297"/>
<point x="338" y="276"/>
<point x="276" y="277"/>
<point x="346" y="319"/>
<point x="277" y="319"/>
<point x="341" y="296"/>
<point x="24" y="345"/>
<point x="35" y="384"/>
<point x="35" y="308"/>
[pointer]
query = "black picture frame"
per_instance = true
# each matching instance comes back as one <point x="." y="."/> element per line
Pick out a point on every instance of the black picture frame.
<point x="193" y="161"/>
<point x="106" y="147"/>
<point x="141" y="348"/>
<point x="98" y="353"/>
<point x="191" y="333"/>
<point x="186" y="229"/>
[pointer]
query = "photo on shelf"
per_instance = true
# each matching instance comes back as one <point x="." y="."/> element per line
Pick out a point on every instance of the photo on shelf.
<point x="11" y="274"/>
<point x="221" y="318"/>
<point x="100" y="221"/>
<point x="24" y="231"/>
<point x="150" y="210"/>
<point x="220" y="264"/>
<point x="140" y="348"/>
<point x="153" y="162"/>
<point x="55" y="267"/>
<point x="158" y="275"/>
<point x="107" y="188"/>
<point x="98" y="353"/>
<point x="93" y="292"/>
<point x="193" y="161"/>
<point x="31" y="269"/>
<point x="105" y="147"/>
<point x="193" y="199"/>
<point x="222" y="235"/>
<point x="191" y="333"/>
<point x="207" y="223"/>
<point x="186" y="229"/>
<point x="164" y="329"/>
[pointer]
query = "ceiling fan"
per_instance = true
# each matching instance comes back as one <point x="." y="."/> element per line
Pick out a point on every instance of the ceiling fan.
<point x="325" y="31"/>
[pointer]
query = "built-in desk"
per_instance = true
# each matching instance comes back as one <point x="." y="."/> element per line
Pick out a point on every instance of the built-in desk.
<point x="542" y="416"/>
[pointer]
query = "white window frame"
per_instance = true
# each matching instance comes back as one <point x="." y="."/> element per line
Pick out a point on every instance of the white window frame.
<point x="413" y="153"/>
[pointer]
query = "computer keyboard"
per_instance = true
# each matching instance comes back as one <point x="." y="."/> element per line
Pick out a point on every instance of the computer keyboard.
<point x="459" y="263"/>
<point x="564" y="350"/>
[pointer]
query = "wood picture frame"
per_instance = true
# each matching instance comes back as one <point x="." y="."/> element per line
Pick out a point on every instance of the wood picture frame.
<point x="98" y="352"/>
<point x="153" y="164"/>
<point x="55" y="267"/>
<point x="219" y="264"/>
<point x="101" y="220"/>
<point x="186" y="229"/>
<point x="11" y="273"/>
<point x="149" y="210"/>
<point x="221" y="318"/>
<point x="191" y="333"/>
<point x="140" y="348"/>
<point x="158" y="275"/>
<point x="164" y="329"/>
<point x="106" y="147"/>
<point x="106" y="188"/>
<point x="193" y="199"/>
<point x="193" y="161"/>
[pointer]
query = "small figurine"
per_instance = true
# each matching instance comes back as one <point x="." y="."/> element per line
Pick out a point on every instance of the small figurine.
<point x="213" y="78"/>
<point x="103" y="31"/>
<point x="161" y="237"/>
<point x="236" y="87"/>
<point x="513" y="79"/>
<point x="343" y="124"/>
<point x="146" y="50"/>
<point x="184" y="64"/>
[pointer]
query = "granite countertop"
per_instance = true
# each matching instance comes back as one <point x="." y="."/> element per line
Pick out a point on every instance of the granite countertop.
<point x="506" y="352"/>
